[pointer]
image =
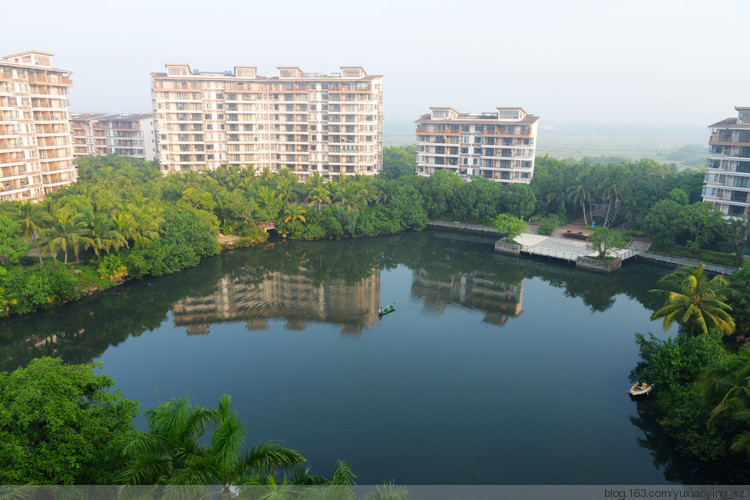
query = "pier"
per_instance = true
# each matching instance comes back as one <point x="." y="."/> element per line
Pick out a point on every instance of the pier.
<point x="574" y="250"/>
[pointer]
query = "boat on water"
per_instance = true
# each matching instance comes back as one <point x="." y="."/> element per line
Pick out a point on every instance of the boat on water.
<point x="387" y="309"/>
<point x="640" y="389"/>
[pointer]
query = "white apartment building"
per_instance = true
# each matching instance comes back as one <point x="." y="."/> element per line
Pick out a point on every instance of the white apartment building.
<point x="36" y="153"/>
<point x="727" y="181"/>
<point x="121" y="134"/>
<point x="499" y="145"/>
<point x="309" y="122"/>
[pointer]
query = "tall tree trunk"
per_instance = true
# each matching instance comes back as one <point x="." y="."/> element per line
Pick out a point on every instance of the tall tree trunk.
<point x="606" y="217"/>
<point x="585" y="221"/>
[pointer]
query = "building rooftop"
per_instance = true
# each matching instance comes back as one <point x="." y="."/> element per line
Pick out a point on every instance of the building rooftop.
<point x="346" y="73"/>
<point x="488" y="118"/>
<point x="110" y="116"/>
<point x="730" y="122"/>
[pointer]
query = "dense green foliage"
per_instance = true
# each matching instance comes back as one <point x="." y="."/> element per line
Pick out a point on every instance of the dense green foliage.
<point x="660" y="201"/>
<point x="61" y="425"/>
<point x="28" y="289"/>
<point x="195" y="445"/>
<point x="674" y="367"/>
<point x="605" y="241"/>
<point x="399" y="161"/>
<point x="728" y="391"/>
<point x="510" y="226"/>
<point x="12" y="247"/>
<point x="701" y="388"/>
<point x="738" y="298"/>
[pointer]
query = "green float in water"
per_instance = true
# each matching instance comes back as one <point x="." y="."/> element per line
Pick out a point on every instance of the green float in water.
<point x="387" y="309"/>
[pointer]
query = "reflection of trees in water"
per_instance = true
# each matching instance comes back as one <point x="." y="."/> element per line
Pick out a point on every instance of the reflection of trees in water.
<point x="676" y="467"/>
<point x="83" y="330"/>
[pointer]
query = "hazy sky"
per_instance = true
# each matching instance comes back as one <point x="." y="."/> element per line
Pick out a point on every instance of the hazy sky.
<point x="658" y="62"/>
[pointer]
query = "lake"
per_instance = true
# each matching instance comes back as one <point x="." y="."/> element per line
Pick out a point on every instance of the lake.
<point x="491" y="370"/>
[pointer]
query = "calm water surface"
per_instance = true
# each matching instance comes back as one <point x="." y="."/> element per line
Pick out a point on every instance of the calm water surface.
<point x="492" y="370"/>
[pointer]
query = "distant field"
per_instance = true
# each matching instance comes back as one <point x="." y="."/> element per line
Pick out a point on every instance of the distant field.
<point x="687" y="147"/>
<point x="628" y="148"/>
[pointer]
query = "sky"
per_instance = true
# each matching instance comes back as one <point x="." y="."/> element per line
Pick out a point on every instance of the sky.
<point x="666" y="63"/>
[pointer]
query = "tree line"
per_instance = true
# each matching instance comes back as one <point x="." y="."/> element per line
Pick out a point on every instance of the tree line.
<point x="123" y="219"/>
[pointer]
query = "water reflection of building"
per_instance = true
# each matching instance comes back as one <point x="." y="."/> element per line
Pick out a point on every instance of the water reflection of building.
<point x="480" y="291"/>
<point x="296" y="299"/>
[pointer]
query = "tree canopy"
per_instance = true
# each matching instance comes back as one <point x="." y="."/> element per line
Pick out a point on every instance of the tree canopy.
<point x="61" y="424"/>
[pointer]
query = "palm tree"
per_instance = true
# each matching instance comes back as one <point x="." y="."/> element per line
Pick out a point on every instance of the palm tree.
<point x="295" y="213"/>
<point x="147" y="223"/>
<point x="287" y="188"/>
<point x="580" y="195"/>
<point x="29" y="217"/>
<point x="727" y="385"/>
<point x="694" y="301"/>
<point x="124" y="225"/>
<point x="351" y="196"/>
<point x="102" y="235"/>
<point x="67" y="230"/>
<point x="176" y="450"/>
<point x="317" y="192"/>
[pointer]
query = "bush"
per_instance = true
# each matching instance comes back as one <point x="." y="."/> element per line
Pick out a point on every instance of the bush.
<point x="61" y="424"/>
<point x="674" y="366"/>
<point x="30" y="289"/>
<point x="548" y="224"/>
<point x="113" y="268"/>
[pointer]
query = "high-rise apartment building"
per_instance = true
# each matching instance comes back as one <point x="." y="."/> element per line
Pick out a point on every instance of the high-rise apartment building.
<point x="309" y="122"/>
<point x="499" y="145"/>
<point x="121" y="134"/>
<point x="36" y="153"/>
<point x="727" y="181"/>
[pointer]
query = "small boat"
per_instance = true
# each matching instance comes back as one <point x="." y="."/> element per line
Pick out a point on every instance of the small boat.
<point x="387" y="309"/>
<point x="640" y="389"/>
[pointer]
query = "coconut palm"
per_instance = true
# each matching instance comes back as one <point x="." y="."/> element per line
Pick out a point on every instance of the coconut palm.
<point x="727" y="385"/>
<point x="66" y="230"/>
<point x="287" y="188"/>
<point x="580" y="195"/>
<point x="102" y="235"/>
<point x="29" y="217"/>
<point x="295" y="213"/>
<point x="351" y="196"/>
<point x="194" y="445"/>
<point x="694" y="301"/>
<point x="124" y="225"/>
<point x="147" y="224"/>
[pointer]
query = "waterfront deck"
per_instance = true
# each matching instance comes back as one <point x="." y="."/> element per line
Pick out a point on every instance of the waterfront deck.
<point x="567" y="249"/>
<point x="562" y="248"/>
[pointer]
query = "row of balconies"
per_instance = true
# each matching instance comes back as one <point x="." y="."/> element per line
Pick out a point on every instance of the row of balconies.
<point x="49" y="79"/>
<point x="499" y="131"/>
<point x="730" y="137"/>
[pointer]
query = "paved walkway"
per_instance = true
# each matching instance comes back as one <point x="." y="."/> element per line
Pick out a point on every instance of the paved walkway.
<point x="563" y="248"/>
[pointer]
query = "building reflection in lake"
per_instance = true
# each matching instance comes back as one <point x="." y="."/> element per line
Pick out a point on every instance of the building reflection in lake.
<point x="498" y="300"/>
<point x="293" y="298"/>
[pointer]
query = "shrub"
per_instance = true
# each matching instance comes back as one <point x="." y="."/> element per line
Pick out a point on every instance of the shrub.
<point x="548" y="224"/>
<point x="113" y="268"/>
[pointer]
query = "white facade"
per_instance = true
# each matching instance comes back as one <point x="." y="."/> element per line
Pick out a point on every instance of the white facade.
<point x="36" y="153"/>
<point x="121" y="134"/>
<point x="727" y="181"/>
<point x="499" y="145"/>
<point x="308" y="122"/>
